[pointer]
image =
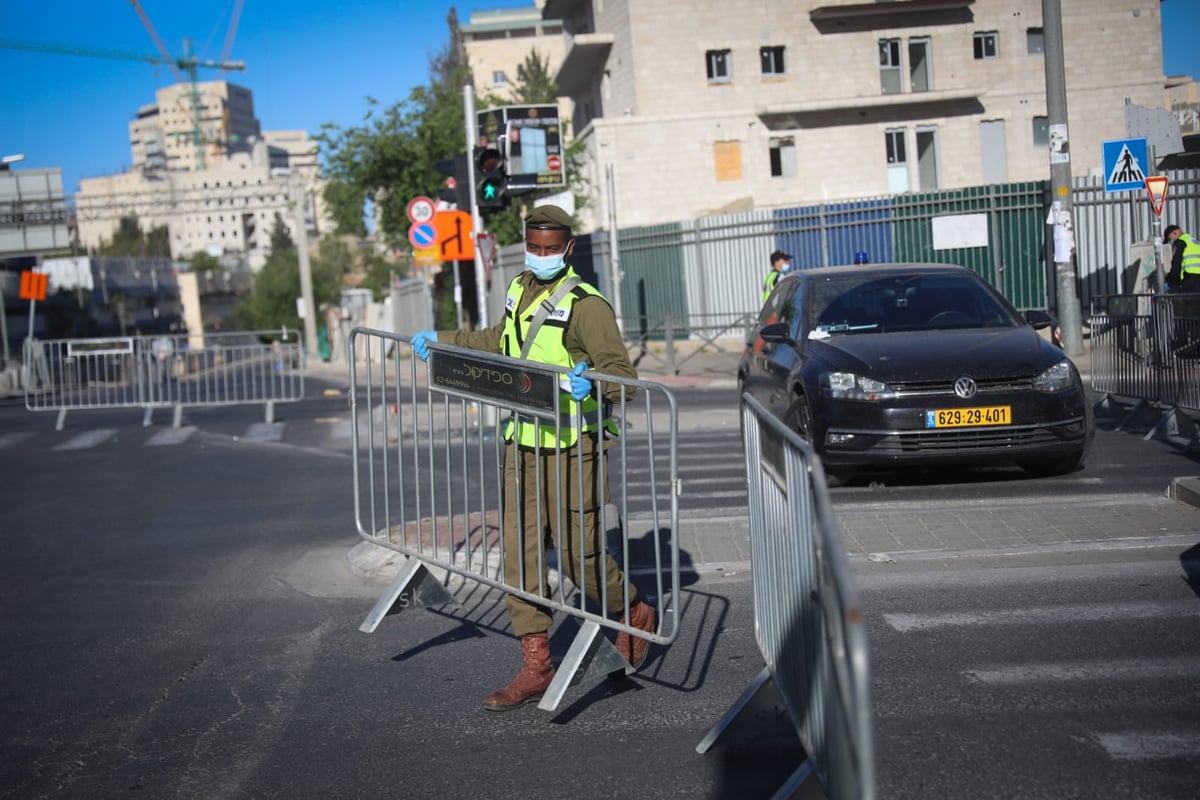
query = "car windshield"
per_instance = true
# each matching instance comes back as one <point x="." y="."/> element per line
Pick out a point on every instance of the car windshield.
<point x="904" y="302"/>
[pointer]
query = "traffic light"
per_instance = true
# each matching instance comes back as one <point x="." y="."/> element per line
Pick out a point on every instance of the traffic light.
<point x="491" y="179"/>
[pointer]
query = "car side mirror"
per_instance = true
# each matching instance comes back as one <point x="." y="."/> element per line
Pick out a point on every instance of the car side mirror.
<point x="776" y="333"/>
<point x="1039" y="319"/>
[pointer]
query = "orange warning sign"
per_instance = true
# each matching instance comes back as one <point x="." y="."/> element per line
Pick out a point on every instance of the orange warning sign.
<point x="1156" y="187"/>
<point x="454" y="235"/>
<point x="33" y="285"/>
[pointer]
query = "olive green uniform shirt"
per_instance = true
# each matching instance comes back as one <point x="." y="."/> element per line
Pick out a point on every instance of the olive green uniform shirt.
<point x="591" y="336"/>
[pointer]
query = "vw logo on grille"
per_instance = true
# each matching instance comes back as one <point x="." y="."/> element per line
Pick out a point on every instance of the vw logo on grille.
<point x="965" y="388"/>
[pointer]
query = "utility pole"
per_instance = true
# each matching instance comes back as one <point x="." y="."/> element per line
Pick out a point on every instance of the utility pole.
<point x="299" y="204"/>
<point x="614" y="254"/>
<point x="481" y="297"/>
<point x="1069" y="316"/>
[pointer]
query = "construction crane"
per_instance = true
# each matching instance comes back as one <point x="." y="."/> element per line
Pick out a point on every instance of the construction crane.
<point x="183" y="68"/>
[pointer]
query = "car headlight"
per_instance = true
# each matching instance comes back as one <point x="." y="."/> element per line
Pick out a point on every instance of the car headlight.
<point x="848" y="386"/>
<point x="1058" y="378"/>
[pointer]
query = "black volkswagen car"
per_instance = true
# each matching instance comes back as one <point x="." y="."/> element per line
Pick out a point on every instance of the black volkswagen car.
<point x="902" y="364"/>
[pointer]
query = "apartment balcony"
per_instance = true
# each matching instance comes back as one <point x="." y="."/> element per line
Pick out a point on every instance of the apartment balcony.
<point x="587" y="53"/>
<point x="869" y="110"/>
<point x="898" y="14"/>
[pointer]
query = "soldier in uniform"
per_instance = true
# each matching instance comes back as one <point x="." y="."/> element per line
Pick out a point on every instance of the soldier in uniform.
<point x="582" y="334"/>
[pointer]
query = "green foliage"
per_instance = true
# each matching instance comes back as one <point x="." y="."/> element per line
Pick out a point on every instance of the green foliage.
<point x="203" y="262"/>
<point x="534" y="82"/>
<point x="392" y="156"/>
<point x="272" y="302"/>
<point x="130" y="241"/>
<point x="378" y="274"/>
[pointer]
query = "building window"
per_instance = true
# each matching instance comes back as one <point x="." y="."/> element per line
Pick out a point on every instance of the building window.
<point x="720" y="65"/>
<point x="1035" y="41"/>
<point x="987" y="45"/>
<point x="897" y="160"/>
<point x="499" y="78"/>
<point x="920" y="64"/>
<point x="1041" y="132"/>
<point x="772" y="60"/>
<point x="889" y="66"/>
<point x="783" y="158"/>
<point x="927" y="159"/>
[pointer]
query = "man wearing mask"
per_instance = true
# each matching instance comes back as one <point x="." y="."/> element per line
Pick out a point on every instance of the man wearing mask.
<point x="552" y="316"/>
<point x="781" y="262"/>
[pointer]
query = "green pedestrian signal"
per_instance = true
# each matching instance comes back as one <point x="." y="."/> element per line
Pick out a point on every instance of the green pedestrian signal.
<point x="491" y="179"/>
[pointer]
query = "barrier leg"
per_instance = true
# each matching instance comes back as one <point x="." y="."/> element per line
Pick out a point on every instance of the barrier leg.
<point x="734" y="711"/>
<point x="148" y="417"/>
<point x="413" y="587"/>
<point x="178" y="420"/>
<point x="591" y="656"/>
<point x="62" y="419"/>
<point x="269" y="412"/>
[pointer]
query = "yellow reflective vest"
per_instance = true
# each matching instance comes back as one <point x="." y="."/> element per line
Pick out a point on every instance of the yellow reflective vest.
<point x="1190" y="265"/>
<point x="769" y="283"/>
<point x="548" y="347"/>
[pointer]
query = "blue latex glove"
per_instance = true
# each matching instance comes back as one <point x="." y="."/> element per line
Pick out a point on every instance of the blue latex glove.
<point x="420" y="343"/>
<point x="581" y="387"/>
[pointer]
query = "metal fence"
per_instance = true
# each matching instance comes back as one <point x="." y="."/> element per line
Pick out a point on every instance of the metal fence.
<point x="808" y="619"/>
<point x="429" y="482"/>
<point x="1147" y="347"/>
<point x="150" y="372"/>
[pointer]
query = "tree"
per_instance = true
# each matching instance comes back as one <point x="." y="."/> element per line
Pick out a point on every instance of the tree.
<point x="130" y="241"/>
<point x="203" y="262"/>
<point x="392" y="157"/>
<point x="271" y="303"/>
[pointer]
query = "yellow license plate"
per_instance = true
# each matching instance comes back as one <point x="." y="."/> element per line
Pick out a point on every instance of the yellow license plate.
<point x="968" y="417"/>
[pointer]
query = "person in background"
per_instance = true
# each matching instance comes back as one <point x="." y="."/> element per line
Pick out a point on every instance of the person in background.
<point x="1183" y="280"/>
<point x="579" y="330"/>
<point x="1184" y="274"/>
<point x="781" y="262"/>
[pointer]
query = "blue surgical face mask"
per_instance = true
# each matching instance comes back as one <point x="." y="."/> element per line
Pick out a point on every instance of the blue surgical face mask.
<point x="545" y="267"/>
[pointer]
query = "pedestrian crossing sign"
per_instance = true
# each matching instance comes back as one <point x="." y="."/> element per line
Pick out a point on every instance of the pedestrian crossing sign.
<point x="1126" y="165"/>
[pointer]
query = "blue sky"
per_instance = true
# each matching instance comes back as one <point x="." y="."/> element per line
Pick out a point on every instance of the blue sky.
<point x="307" y="63"/>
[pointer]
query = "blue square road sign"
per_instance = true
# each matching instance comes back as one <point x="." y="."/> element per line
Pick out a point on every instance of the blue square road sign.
<point x="1126" y="165"/>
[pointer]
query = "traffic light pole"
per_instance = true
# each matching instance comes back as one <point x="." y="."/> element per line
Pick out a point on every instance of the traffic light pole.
<point x="1069" y="314"/>
<point x="476" y="218"/>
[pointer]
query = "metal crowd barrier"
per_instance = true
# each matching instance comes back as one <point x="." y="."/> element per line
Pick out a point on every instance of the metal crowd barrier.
<point x="429" y="455"/>
<point x="1147" y="347"/>
<point x="150" y="372"/>
<point x="808" y="620"/>
<point x="685" y="338"/>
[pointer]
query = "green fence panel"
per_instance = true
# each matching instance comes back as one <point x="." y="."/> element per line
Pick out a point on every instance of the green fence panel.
<point x="652" y="280"/>
<point x="1012" y="259"/>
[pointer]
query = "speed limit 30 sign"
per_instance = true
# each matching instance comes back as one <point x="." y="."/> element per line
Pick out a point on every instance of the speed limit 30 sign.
<point x="421" y="209"/>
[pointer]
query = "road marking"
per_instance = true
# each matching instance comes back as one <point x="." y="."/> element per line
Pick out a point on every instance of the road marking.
<point x="169" y="436"/>
<point x="264" y="432"/>
<point x="1106" y="670"/>
<point x="907" y="623"/>
<point x="1146" y="746"/>
<point x="9" y="439"/>
<point x="87" y="439"/>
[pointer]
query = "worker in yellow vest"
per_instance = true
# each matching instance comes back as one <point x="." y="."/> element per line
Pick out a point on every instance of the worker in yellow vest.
<point x="580" y="333"/>
<point x="1184" y="274"/>
<point x="781" y="262"/>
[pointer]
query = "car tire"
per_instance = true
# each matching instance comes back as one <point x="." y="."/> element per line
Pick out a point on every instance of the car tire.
<point x="799" y="419"/>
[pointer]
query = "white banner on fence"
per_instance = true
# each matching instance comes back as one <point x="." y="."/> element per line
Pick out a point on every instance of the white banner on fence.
<point x="960" y="230"/>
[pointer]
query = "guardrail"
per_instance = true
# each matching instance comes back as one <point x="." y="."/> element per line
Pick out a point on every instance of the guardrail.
<point x="685" y="337"/>
<point x="429" y="480"/>
<point x="808" y="620"/>
<point x="151" y="372"/>
<point x="1147" y="347"/>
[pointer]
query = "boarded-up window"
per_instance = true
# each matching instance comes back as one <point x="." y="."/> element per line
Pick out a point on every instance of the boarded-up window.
<point x="727" y="156"/>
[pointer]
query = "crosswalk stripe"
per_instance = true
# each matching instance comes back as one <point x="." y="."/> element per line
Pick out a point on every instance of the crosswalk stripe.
<point x="264" y="432"/>
<point x="170" y="436"/>
<point x="9" y="439"/>
<point x="83" y="441"/>
<point x="907" y="623"/>
<point x="1147" y="745"/>
<point x="1106" y="670"/>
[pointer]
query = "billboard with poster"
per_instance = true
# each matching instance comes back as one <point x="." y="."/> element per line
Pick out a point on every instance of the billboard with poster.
<point x="531" y="139"/>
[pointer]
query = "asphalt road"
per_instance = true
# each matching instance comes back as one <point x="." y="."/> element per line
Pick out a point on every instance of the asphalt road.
<point x="180" y="620"/>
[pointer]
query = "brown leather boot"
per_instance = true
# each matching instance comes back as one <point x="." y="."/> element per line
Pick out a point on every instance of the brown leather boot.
<point x="533" y="679"/>
<point x="633" y="648"/>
